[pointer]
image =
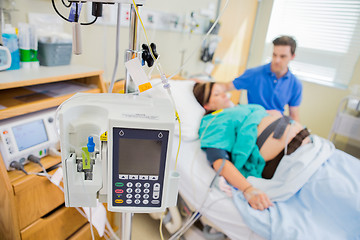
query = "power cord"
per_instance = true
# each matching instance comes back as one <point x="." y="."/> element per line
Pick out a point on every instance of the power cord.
<point x="18" y="166"/>
<point x="36" y="160"/>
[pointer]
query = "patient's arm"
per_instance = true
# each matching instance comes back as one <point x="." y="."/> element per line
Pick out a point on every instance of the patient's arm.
<point x="256" y="198"/>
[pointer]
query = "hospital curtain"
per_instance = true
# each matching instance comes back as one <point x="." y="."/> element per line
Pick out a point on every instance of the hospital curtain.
<point x="328" y="37"/>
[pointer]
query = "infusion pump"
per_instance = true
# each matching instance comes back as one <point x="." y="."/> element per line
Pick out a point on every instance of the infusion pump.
<point x="117" y="148"/>
<point x="26" y="135"/>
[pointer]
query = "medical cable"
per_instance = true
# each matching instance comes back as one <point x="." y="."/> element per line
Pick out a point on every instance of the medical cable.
<point x="160" y="228"/>
<point x="65" y="4"/>
<point x="106" y="234"/>
<point x="116" y="49"/>
<point x="142" y="24"/>
<point x="153" y="67"/>
<point x="91" y="225"/>
<point x="76" y="14"/>
<point x="107" y="224"/>
<point x="166" y="85"/>
<point x="36" y="160"/>
<point x="48" y="176"/>
<point x="164" y="80"/>
<point x="203" y="40"/>
<point x="196" y="215"/>
<point x="18" y="166"/>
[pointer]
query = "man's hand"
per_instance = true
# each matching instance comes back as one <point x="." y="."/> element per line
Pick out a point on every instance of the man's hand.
<point x="294" y="113"/>
<point x="275" y="113"/>
<point x="257" y="199"/>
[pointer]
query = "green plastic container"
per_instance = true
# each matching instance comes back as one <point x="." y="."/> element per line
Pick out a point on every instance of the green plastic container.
<point x="54" y="54"/>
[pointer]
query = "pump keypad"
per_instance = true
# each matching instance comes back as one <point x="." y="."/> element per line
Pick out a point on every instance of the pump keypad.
<point x="134" y="192"/>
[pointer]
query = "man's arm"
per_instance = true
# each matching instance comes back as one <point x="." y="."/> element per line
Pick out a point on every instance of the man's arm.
<point x="256" y="198"/>
<point x="294" y="113"/>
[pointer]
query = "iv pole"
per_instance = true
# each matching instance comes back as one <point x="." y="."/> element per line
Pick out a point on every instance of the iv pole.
<point x="131" y="53"/>
<point x="133" y="50"/>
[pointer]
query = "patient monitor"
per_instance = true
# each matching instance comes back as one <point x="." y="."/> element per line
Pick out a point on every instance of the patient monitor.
<point x="115" y="148"/>
<point x="29" y="135"/>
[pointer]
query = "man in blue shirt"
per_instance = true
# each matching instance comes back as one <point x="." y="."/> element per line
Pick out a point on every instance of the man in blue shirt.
<point x="273" y="85"/>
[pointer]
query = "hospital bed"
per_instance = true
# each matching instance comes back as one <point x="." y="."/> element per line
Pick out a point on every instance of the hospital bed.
<point x="314" y="190"/>
<point x="196" y="174"/>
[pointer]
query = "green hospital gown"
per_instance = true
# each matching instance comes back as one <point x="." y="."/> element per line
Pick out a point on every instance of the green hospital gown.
<point x="235" y="130"/>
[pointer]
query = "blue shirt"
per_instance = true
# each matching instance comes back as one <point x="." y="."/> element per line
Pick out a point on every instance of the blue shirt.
<point x="265" y="89"/>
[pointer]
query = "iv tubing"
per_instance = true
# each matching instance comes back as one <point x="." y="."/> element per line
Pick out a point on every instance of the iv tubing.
<point x="196" y="215"/>
<point x="142" y="24"/>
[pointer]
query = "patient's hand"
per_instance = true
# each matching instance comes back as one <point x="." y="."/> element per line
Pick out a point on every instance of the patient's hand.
<point x="257" y="199"/>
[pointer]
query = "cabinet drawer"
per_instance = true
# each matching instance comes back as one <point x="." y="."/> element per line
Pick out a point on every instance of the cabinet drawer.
<point x="57" y="226"/>
<point x="85" y="234"/>
<point x="35" y="197"/>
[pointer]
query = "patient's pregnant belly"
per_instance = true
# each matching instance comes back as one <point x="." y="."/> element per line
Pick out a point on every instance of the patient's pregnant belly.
<point x="272" y="147"/>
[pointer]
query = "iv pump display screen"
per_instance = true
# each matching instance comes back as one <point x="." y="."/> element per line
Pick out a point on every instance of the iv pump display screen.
<point x="30" y="134"/>
<point x="139" y="156"/>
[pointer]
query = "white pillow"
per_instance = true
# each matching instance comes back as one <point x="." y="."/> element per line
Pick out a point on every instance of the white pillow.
<point x="190" y="111"/>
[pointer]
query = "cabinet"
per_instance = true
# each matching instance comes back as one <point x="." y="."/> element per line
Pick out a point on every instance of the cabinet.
<point x="31" y="207"/>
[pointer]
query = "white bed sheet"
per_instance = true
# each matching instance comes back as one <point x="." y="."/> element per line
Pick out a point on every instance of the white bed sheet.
<point x="195" y="178"/>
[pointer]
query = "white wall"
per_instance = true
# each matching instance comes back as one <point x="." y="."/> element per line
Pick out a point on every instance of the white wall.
<point x="319" y="105"/>
<point x="99" y="40"/>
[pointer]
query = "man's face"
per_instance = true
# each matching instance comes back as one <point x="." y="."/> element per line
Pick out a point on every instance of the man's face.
<point x="281" y="58"/>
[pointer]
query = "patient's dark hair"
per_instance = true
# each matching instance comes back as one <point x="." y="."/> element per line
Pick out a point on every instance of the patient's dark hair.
<point x="286" y="41"/>
<point x="202" y="92"/>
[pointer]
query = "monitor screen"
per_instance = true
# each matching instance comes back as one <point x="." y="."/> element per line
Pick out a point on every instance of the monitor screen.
<point x="30" y="134"/>
<point x="139" y="156"/>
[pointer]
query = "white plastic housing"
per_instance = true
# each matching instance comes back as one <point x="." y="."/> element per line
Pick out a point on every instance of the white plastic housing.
<point x="94" y="114"/>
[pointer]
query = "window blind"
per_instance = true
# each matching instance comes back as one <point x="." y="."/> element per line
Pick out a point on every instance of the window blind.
<point x="327" y="34"/>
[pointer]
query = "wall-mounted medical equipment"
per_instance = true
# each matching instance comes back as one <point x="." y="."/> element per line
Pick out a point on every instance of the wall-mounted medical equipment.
<point x="28" y="135"/>
<point x="114" y="148"/>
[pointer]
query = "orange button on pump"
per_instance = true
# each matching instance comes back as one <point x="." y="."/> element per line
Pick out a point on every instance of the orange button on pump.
<point x="119" y="201"/>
